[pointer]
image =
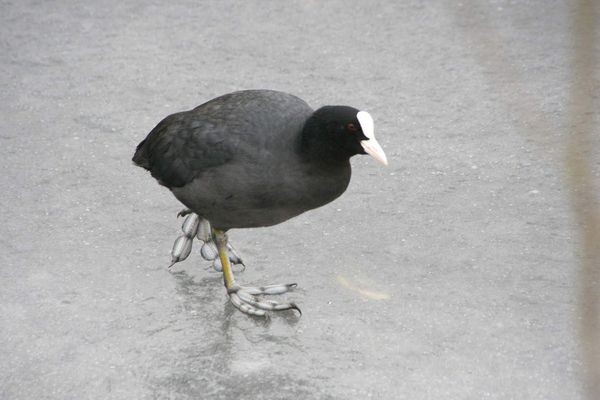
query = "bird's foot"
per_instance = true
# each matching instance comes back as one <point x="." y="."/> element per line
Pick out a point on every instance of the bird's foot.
<point x="209" y="249"/>
<point x="193" y="225"/>
<point x="244" y="298"/>
<point x="210" y="252"/>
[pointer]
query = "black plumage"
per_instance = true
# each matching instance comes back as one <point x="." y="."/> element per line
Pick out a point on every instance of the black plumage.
<point x="253" y="158"/>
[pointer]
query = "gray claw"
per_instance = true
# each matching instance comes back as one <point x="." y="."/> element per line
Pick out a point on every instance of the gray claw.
<point x="183" y="244"/>
<point x="270" y="289"/>
<point x="209" y="251"/>
<point x="181" y="249"/>
<point x="293" y="306"/>
<point x="243" y="298"/>
<point x="190" y="225"/>
<point x="233" y="255"/>
<point x="204" y="231"/>
<point x="184" y="212"/>
<point x="217" y="266"/>
<point x="244" y="307"/>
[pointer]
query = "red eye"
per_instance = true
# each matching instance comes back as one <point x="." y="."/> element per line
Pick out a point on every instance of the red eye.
<point x="351" y="127"/>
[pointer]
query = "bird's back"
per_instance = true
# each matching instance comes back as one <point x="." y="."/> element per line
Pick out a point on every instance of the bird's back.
<point x="234" y="160"/>
<point x="238" y="126"/>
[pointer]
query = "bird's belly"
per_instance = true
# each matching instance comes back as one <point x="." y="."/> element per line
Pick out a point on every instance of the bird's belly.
<point x="238" y="211"/>
<point x="248" y="218"/>
<point x="261" y="200"/>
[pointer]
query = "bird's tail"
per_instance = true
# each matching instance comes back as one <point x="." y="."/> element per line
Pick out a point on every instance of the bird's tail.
<point x="140" y="158"/>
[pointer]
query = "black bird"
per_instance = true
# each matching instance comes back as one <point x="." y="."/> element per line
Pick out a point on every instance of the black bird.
<point x="256" y="158"/>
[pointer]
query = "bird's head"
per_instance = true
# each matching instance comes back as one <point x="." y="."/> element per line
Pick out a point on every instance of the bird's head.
<point x="342" y="132"/>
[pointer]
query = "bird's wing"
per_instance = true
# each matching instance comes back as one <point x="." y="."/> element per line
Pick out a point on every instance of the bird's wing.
<point x="181" y="147"/>
<point x="245" y="125"/>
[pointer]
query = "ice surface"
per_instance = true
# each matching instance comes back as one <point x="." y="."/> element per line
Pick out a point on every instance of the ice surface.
<point x="450" y="274"/>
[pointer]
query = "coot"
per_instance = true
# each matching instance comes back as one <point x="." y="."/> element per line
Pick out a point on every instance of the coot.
<point x="256" y="158"/>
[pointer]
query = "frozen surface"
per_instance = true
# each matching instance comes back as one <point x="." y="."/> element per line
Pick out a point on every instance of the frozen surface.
<point x="451" y="274"/>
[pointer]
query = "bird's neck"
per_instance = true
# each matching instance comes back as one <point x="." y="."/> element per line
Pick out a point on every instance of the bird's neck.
<point x="317" y="145"/>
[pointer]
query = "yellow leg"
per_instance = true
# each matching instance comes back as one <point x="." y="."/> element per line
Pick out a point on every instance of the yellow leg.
<point x="243" y="297"/>
<point x="221" y="240"/>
